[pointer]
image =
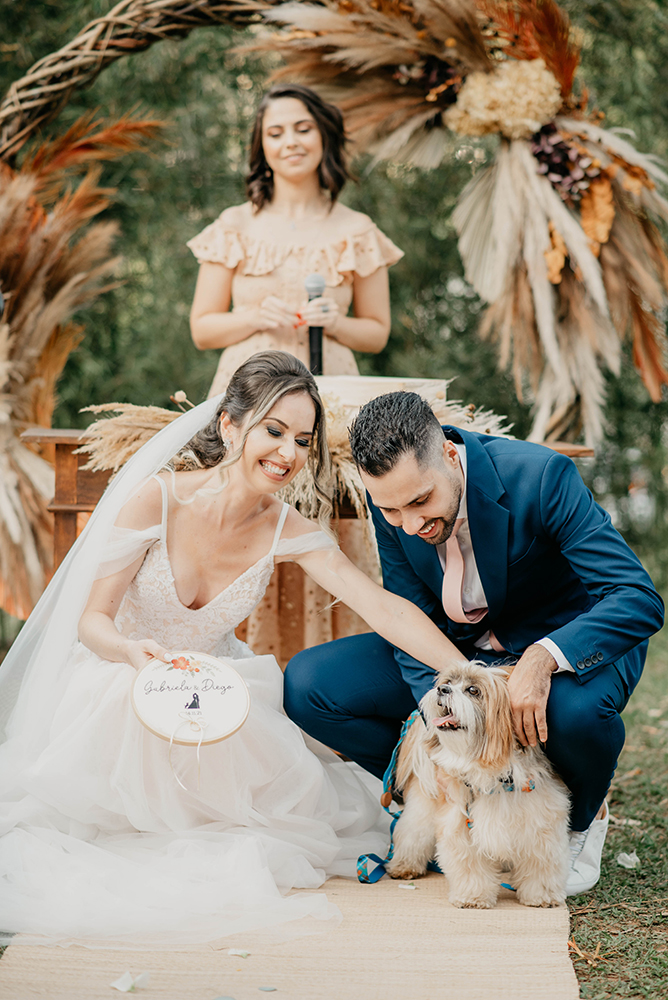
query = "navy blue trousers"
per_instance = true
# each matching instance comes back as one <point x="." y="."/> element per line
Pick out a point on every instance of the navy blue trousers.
<point x="350" y="695"/>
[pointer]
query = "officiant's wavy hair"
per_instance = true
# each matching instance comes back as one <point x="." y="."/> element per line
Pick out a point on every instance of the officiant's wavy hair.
<point x="333" y="171"/>
<point x="253" y="390"/>
<point x="393" y="425"/>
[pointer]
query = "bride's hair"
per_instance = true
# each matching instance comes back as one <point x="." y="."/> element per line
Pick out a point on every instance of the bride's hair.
<point x="253" y="391"/>
<point x="332" y="171"/>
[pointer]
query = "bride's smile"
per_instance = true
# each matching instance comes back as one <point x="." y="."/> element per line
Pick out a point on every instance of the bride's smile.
<point x="277" y="448"/>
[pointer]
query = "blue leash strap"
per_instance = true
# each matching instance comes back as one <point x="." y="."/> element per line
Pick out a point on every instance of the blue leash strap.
<point x="369" y="876"/>
<point x="366" y="873"/>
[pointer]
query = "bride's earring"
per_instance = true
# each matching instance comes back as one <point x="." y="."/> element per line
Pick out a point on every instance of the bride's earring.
<point x="227" y="444"/>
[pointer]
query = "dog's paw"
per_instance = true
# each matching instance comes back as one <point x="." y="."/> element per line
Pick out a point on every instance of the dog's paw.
<point x="543" y="899"/>
<point x="540" y="895"/>
<point x="480" y="903"/>
<point x="404" y="871"/>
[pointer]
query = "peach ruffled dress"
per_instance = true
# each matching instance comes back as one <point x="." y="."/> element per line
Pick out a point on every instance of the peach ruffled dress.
<point x="270" y="259"/>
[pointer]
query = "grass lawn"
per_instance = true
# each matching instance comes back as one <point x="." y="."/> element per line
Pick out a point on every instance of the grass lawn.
<point x="619" y="930"/>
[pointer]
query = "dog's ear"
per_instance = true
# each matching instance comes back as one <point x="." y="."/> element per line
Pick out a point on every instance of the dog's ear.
<point x="414" y="761"/>
<point x="499" y="737"/>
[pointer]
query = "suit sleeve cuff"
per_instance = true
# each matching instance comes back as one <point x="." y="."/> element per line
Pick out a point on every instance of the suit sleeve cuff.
<point x="563" y="666"/>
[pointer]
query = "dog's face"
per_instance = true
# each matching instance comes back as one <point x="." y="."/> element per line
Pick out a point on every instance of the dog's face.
<point x="468" y="710"/>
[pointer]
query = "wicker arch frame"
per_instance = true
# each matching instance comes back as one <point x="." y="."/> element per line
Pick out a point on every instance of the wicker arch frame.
<point x="132" y="26"/>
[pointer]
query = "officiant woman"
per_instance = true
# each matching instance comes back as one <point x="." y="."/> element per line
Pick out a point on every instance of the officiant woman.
<point x="250" y="297"/>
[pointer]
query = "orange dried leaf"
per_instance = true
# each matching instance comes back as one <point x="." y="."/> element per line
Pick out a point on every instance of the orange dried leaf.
<point x="597" y="212"/>
<point x="555" y="257"/>
<point x="632" y="177"/>
<point x="649" y="342"/>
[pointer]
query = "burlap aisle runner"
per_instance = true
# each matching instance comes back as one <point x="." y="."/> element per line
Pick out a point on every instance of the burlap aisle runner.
<point x="394" y="944"/>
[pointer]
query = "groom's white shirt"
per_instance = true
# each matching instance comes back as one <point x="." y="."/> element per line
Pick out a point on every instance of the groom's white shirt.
<point x="473" y="594"/>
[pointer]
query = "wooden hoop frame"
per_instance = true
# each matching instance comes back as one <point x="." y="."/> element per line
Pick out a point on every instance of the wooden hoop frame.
<point x="130" y="27"/>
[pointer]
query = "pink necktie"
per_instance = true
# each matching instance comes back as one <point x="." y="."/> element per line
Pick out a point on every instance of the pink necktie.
<point x="453" y="579"/>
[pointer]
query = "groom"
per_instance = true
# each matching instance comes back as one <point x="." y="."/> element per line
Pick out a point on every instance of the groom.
<point x="503" y="546"/>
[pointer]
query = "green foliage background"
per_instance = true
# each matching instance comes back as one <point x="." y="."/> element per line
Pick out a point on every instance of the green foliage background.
<point x="137" y="346"/>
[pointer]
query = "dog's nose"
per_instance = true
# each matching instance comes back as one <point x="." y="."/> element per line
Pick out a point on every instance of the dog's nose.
<point x="444" y="689"/>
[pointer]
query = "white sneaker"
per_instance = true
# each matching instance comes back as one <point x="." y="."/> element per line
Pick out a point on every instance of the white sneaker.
<point x="586" y="850"/>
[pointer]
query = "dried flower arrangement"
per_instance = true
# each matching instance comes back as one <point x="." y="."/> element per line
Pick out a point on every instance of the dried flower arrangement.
<point x="557" y="235"/>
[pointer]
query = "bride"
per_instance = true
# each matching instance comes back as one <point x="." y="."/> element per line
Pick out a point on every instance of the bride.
<point x="100" y="841"/>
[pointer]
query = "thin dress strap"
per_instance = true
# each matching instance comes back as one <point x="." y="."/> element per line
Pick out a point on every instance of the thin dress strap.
<point x="165" y="506"/>
<point x="279" y="528"/>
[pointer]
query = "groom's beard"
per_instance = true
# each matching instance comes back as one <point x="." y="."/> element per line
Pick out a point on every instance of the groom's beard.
<point x="446" y="523"/>
<point x="442" y="535"/>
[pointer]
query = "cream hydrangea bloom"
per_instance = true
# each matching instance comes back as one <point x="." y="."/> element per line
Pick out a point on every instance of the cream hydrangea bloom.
<point x="515" y="100"/>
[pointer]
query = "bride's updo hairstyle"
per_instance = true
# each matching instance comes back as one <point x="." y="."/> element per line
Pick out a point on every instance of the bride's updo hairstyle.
<point x="332" y="172"/>
<point x="253" y="391"/>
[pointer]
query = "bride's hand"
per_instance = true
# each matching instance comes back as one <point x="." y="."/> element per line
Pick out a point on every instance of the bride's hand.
<point x="322" y="312"/>
<point x="140" y="651"/>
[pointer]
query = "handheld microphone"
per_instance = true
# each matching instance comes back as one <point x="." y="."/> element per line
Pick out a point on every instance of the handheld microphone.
<point x="315" y="286"/>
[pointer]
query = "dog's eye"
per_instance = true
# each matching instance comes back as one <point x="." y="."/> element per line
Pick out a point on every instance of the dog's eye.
<point x="474" y="691"/>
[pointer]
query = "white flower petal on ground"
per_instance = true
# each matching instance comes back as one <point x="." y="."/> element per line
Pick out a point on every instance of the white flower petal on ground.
<point x="628" y="860"/>
<point x="127" y="983"/>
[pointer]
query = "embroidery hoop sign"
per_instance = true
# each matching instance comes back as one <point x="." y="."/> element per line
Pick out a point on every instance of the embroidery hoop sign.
<point x="194" y="700"/>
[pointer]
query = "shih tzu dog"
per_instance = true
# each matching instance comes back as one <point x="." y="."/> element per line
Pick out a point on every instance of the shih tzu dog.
<point x="477" y="800"/>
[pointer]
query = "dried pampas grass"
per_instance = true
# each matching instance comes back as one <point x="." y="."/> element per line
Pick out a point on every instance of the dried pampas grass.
<point x="53" y="261"/>
<point x="111" y="441"/>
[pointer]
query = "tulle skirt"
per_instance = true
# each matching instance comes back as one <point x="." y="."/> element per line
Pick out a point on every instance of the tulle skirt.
<point x="101" y="844"/>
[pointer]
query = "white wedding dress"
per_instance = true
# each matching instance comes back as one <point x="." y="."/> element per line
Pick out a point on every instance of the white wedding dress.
<point x="100" y="843"/>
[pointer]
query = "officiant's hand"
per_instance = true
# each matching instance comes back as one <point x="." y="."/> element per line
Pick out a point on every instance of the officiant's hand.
<point x="275" y="314"/>
<point x="322" y="312"/>
<point x="140" y="651"/>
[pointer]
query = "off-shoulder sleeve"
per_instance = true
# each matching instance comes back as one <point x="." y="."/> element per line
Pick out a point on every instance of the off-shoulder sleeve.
<point x="312" y="542"/>
<point x="219" y="243"/>
<point x="123" y="546"/>
<point x="367" y="251"/>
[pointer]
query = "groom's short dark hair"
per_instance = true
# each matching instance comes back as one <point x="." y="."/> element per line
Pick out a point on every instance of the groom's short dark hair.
<point x="393" y="425"/>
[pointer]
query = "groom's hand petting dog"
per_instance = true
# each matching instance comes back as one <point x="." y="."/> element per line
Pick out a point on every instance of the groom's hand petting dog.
<point x="485" y="807"/>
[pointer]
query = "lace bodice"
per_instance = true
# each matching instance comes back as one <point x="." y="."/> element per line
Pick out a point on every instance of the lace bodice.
<point x="268" y="261"/>
<point x="151" y="605"/>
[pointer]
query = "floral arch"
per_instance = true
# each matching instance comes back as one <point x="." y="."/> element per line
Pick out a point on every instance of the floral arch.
<point x="558" y="235"/>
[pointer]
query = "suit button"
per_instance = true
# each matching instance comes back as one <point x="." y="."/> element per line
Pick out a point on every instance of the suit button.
<point x="599" y="657"/>
<point x="579" y="664"/>
<point x="587" y="662"/>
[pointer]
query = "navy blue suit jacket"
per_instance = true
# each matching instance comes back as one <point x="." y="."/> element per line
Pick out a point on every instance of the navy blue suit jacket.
<point x="550" y="562"/>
